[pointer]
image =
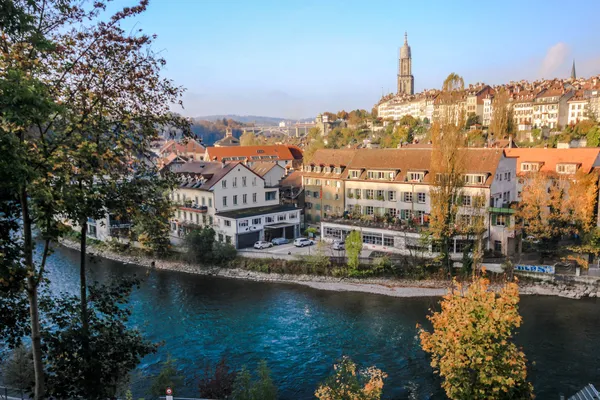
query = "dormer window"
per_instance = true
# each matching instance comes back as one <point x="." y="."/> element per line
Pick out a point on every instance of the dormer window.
<point x="530" y="166"/>
<point x="566" y="168"/>
<point x="307" y="168"/>
<point x="380" y="175"/>
<point x="415" y="176"/>
<point x="317" y="168"/>
<point x="337" y="170"/>
<point x="354" y="174"/>
<point x="474" y="179"/>
<point x="327" y="170"/>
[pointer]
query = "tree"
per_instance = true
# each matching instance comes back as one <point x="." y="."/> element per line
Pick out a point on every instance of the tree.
<point x="348" y="383"/>
<point x="113" y="347"/>
<point x="593" y="137"/>
<point x="471" y="344"/>
<point x="447" y="167"/>
<point x="85" y="101"/>
<point x="17" y="371"/>
<point x="167" y="377"/>
<point x="311" y="149"/>
<point x="249" y="139"/>
<point x="244" y="388"/>
<point x="501" y="124"/>
<point x="203" y="248"/>
<point x="472" y="119"/>
<point x="217" y="383"/>
<point x="354" y="246"/>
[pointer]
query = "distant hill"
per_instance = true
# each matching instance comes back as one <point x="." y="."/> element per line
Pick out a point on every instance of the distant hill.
<point x="249" y="119"/>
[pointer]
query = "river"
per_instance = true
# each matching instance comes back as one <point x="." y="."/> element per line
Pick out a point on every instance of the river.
<point x="300" y="331"/>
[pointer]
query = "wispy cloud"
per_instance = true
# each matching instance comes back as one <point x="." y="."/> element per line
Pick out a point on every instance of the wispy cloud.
<point x="556" y="58"/>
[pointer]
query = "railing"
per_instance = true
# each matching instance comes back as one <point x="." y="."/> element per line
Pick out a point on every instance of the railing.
<point x="189" y="207"/>
<point x="7" y="393"/>
<point x="501" y="210"/>
<point x="394" y="224"/>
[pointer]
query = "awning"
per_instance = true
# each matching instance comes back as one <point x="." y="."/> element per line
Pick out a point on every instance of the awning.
<point x="280" y="225"/>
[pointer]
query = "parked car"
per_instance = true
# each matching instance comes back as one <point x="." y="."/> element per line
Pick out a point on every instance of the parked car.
<point x="261" y="244"/>
<point x="301" y="242"/>
<point x="279" y="240"/>
<point x="339" y="245"/>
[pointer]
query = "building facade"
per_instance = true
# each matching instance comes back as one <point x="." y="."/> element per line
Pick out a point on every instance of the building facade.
<point x="216" y="193"/>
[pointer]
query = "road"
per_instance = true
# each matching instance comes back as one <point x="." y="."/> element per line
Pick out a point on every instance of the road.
<point x="284" y="251"/>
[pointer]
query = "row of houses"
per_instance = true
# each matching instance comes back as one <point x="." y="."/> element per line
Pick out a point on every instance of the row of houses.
<point x="386" y="193"/>
<point x="552" y="104"/>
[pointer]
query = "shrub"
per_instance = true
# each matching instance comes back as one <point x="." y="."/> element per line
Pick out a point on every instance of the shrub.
<point x="347" y="383"/>
<point x="217" y="383"/>
<point x="17" y="371"/>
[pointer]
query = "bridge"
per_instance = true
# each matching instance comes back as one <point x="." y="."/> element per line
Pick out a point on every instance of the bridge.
<point x="298" y="129"/>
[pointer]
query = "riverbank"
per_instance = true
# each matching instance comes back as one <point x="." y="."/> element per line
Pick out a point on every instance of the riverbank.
<point x="383" y="286"/>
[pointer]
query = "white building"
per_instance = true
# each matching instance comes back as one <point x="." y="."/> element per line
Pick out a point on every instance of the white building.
<point x="212" y="193"/>
<point x="387" y="198"/>
<point x="579" y="108"/>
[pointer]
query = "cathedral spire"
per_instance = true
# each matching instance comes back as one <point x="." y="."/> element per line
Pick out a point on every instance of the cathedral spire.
<point x="573" y="74"/>
<point x="405" y="38"/>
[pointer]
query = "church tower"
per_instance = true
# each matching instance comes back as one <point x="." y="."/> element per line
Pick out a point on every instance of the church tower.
<point x="406" y="82"/>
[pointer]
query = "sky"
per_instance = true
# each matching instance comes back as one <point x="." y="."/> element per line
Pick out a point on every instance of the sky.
<point x="293" y="59"/>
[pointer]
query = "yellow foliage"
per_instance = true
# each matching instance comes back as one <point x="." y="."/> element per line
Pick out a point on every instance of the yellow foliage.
<point x="471" y="346"/>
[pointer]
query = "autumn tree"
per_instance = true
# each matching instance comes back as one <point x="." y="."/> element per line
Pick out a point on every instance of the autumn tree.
<point x="447" y="166"/>
<point x="310" y="150"/>
<point x="501" y="124"/>
<point x="471" y="345"/>
<point x="248" y="139"/>
<point x="350" y="383"/>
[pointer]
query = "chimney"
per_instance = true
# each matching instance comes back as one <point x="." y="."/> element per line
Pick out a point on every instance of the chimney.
<point x="223" y="163"/>
<point x="228" y="132"/>
<point x="510" y="141"/>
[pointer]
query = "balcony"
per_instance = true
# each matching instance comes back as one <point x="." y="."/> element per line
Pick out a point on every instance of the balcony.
<point x="193" y="208"/>
<point x="413" y="225"/>
<point x="501" y="210"/>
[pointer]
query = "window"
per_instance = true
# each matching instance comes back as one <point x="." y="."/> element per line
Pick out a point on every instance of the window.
<point x="380" y="194"/>
<point x="91" y="230"/>
<point x="185" y="215"/>
<point x="256" y="221"/>
<point x="203" y="219"/>
<point x="416" y="176"/>
<point x="243" y="223"/>
<point x="501" y="220"/>
<point x="421" y="197"/>
<point x="392" y="212"/>
<point x="203" y="201"/>
<point x="227" y="222"/>
<point x="526" y="167"/>
<point x="220" y="237"/>
<point x="391" y="195"/>
<point x="388" y="241"/>
<point x="498" y="246"/>
<point x="466" y="201"/>
<point x="369" y="210"/>
<point x="505" y="197"/>
<point x="372" y="238"/>
<point x="224" y="184"/>
<point x="405" y="214"/>
<point x="407" y="197"/>
<point x="292" y="215"/>
<point x="357" y="193"/>
<point x="354" y="174"/>
<point x="224" y="201"/>
<point x="317" y="181"/>
<point x="307" y="168"/>
<point x="566" y="168"/>
<point x="369" y="194"/>
<point x="235" y="202"/>
<point x="228" y="239"/>
<point x="209" y="202"/>
<point x="281" y="217"/>
<point x="254" y="197"/>
<point x="254" y="181"/>
<point x="269" y="220"/>
<point x="337" y="170"/>
<point x="244" y="199"/>
<point x="197" y="218"/>
<point x="327" y="183"/>
<point x="271" y="195"/>
<point x="234" y="182"/>
<point x="327" y="208"/>
<point x="244" y="181"/>
<point x="474" y="179"/>
<point x="210" y="220"/>
<point x="179" y="214"/>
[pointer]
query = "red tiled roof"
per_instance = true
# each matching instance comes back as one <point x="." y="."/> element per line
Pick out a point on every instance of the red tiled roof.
<point x="588" y="158"/>
<point x="292" y="180"/>
<point x="252" y="153"/>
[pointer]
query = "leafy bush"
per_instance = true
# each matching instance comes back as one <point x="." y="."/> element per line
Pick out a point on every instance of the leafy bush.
<point x="167" y="377"/>
<point x="17" y="371"/>
<point x="203" y="248"/>
<point x="347" y="383"/>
